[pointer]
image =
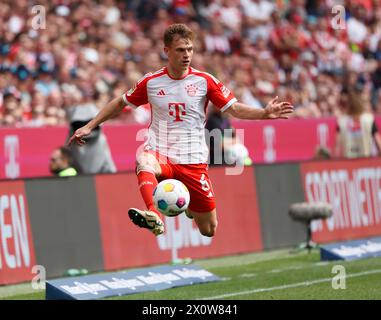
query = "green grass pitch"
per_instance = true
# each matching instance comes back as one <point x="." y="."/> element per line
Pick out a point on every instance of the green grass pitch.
<point x="268" y="275"/>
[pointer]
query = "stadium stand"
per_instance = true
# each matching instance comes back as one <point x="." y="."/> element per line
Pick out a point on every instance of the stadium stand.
<point x="94" y="50"/>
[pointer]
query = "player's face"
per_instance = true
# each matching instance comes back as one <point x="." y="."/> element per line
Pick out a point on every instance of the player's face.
<point x="180" y="53"/>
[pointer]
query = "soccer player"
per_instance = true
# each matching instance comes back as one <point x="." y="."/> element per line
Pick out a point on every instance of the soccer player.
<point x="176" y="147"/>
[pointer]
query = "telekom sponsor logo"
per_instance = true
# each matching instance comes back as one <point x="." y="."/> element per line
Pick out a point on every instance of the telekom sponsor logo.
<point x="353" y="190"/>
<point x="12" y="151"/>
<point x="322" y="134"/>
<point x="177" y="110"/>
<point x="269" y="140"/>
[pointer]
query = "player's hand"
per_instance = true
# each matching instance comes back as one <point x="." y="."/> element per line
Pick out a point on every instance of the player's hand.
<point x="78" y="136"/>
<point x="278" y="109"/>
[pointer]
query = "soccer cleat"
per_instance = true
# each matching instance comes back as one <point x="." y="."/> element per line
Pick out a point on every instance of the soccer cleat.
<point x="147" y="219"/>
<point x="188" y="214"/>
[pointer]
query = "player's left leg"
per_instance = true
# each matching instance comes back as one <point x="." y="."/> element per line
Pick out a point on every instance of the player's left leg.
<point x="206" y="221"/>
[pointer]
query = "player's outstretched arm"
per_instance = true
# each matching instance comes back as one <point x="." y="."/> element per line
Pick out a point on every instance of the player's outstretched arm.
<point x="112" y="108"/>
<point x="274" y="110"/>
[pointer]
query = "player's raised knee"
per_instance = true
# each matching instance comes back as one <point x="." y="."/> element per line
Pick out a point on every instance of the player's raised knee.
<point x="147" y="162"/>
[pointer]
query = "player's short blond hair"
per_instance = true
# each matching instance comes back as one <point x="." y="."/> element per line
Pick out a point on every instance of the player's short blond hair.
<point x="177" y="29"/>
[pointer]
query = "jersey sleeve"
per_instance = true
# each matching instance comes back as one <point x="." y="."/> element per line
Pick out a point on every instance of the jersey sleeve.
<point x="220" y="95"/>
<point x="137" y="95"/>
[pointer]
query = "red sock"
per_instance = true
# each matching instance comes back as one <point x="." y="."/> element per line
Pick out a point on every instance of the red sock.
<point x="147" y="183"/>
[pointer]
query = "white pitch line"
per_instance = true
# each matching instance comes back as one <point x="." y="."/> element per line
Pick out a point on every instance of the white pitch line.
<point x="287" y="286"/>
<point x="247" y="275"/>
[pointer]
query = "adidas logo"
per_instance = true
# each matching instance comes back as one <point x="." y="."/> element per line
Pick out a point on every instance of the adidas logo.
<point x="161" y="93"/>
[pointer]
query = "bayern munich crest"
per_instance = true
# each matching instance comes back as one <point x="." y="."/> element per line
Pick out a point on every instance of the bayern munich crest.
<point x="191" y="90"/>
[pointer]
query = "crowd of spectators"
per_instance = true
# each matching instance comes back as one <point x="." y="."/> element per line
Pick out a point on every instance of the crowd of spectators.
<point x="88" y="52"/>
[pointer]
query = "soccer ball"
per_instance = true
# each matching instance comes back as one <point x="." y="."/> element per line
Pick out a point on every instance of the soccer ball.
<point x="171" y="197"/>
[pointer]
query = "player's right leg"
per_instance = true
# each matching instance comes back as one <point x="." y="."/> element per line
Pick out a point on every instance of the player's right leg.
<point x="147" y="170"/>
<point x="202" y="206"/>
<point x="205" y="221"/>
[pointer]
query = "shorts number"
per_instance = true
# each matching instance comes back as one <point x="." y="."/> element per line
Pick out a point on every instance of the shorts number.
<point x="204" y="183"/>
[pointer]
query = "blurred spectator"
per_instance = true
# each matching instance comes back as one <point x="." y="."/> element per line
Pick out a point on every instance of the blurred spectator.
<point x="61" y="163"/>
<point x="216" y="41"/>
<point x="356" y="24"/>
<point x="257" y="15"/>
<point x="225" y="147"/>
<point x="235" y="151"/>
<point x="217" y="125"/>
<point x="95" y="156"/>
<point x="358" y="134"/>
